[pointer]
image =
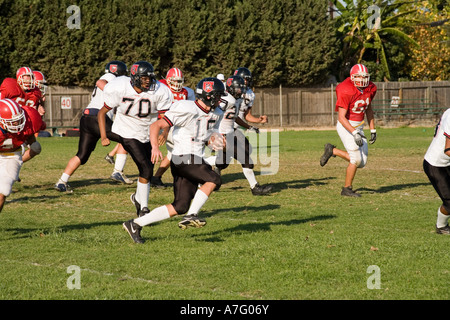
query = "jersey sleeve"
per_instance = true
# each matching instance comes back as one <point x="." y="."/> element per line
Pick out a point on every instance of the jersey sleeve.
<point x="178" y="116"/>
<point x="111" y="94"/>
<point x="343" y="98"/>
<point x="35" y="118"/>
<point x="9" y="89"/>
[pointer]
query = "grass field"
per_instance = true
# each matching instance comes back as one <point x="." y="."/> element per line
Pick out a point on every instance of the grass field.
<point x="302" y="242"/>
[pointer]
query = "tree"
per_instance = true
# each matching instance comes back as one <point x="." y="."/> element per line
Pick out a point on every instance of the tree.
<point x="372" y="26"/>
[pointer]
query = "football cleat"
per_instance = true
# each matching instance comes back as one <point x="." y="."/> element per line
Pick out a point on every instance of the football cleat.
<point x="136" y="204"/>
<point x="258" y="190"/>
<point x="348" y="192"/>
<point x="134" y="230"/>
<point x="120" y="177"/>
<point x="62" y="186"/>
<point x="157" y="182"/>
<point x="217" y="170"/>
<point x="109" y="159"/>
<point x="443" y="230"/>
<point x="327" y="154"/>
<point x="144" y="211"/>
<point x="191" y="220"/>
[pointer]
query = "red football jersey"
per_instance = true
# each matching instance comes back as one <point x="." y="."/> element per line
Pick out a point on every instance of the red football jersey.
<point x="10" y="89"/>
<point x="353" y="100"/>
<point x="182" y="95"/>
<point x="12" y="141"/>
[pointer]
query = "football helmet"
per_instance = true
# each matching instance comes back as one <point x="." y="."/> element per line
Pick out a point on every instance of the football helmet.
<point x="39" y="81"/>
<point x="246" y="74"/>
<point x="12" y="116"/>
<point x="117" y="68"/>
<point x="25" y="78"/>
<point x="142" y="69"/>
<point x="210" y="90"/>
<point x="359" y="74"/>
<point x="175" y="79"/>
<point x="236" y="86"/>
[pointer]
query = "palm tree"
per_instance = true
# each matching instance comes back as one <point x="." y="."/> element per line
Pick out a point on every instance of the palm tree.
<point x="365" y="25"/>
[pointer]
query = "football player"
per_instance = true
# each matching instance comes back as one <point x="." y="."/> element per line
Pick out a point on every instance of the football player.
<point x="174" y="80"/>
<point x="354" y="98"/>
<point x="17" y="126"/>
<point x="194" y="123"/>
<point x="436" y="165"/>
<point x="244" y="106"/>
<point x="138" y="99"/>
<point x="23" y="91"/>
<point x="89" y="127"/>
<point x="237" y="146"/>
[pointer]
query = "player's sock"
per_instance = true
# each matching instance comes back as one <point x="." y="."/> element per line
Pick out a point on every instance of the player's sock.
<point x="197" y="203"/>
<point x="250" y="175"/>
<point x="442" y="219"/>
<point x="157" y="214"/>
<point x="65" y="177"/>
<point x="142" y="193"/>
<point x="121" y="160"/>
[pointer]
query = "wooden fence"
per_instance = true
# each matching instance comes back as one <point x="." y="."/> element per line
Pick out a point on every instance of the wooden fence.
<point x="396" y="104"/>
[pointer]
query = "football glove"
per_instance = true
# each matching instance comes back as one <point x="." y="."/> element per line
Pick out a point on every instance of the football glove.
<point x="373" y="136"/>
<point x="253" y="129"/>
<point x="358" y="138"/>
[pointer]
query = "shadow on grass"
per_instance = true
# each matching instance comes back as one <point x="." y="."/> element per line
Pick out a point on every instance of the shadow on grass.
<point x="247" y="228"/>
<point x="394" y="187"/>
<point x="19" y="233"/>
<point x="278" y="186"/>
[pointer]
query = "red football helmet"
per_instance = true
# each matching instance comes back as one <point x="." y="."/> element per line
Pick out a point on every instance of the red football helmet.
<point x="359" y="74"/>
<point x="25" y="78"/>
<point x="12" y="116"/>
<point x="175" y="79"/>
<point x="39" y="81"/>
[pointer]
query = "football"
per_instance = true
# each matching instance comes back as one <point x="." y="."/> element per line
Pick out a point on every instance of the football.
<point x="216" y="141"/>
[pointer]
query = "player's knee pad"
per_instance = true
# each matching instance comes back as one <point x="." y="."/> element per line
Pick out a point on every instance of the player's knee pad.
<point x="363" y="162"/>
<point x="355" y="157"/>
<point x="181" y="207"/>
<point x="6" y="187"/>
<point x="36" y="147"/>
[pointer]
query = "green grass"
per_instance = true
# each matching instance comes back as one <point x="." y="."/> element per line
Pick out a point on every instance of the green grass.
<point x="304" y="241"/>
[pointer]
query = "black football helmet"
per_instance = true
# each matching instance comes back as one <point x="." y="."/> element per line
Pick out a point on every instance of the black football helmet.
<point x="142" y="69"/>
<point x="246" y="74"/>
<point x="117" y="68"/>
<point x="210" y="90"/>
<point x="236" y="86"/>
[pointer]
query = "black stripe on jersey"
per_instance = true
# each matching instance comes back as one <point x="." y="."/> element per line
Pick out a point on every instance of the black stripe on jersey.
<point x="201" y="108"/>
<point x="168" y="121"/>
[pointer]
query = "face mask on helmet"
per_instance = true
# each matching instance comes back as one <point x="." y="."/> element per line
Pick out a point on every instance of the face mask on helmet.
<point x="40" y="82"/>
<point x="25" y="78"/>
<point x="210" y="91"/>
<point x="142" y="76"/>
<point x="359" y="74"/>
<point x="12" y="117"/>
<point x="175" y="79"/>
<point x="236" y="86"/>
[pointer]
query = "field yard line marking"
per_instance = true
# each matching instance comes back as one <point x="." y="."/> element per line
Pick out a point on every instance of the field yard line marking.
<point x="85" y="269"/>
<point x="403" y="170"/>
<point x="124" y="277"/>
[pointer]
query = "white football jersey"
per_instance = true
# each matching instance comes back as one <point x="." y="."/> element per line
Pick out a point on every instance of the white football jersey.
<point x="97" y="101"/>
<point x="135" y="111"/>
<point x="435" y="154"/>
<point x="230" y="110"/>
<point x="192" y="126"/>
<point x="245" y="103"/>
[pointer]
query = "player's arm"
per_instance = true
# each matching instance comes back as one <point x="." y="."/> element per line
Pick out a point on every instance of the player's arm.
<point x="371" y="121"/>
<point x="101" y="117"/>
<point x="251" y="118"/>
<point x="447" y="146"/>
<point x="101" y="83"/>
<point x="155" y="128"/>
